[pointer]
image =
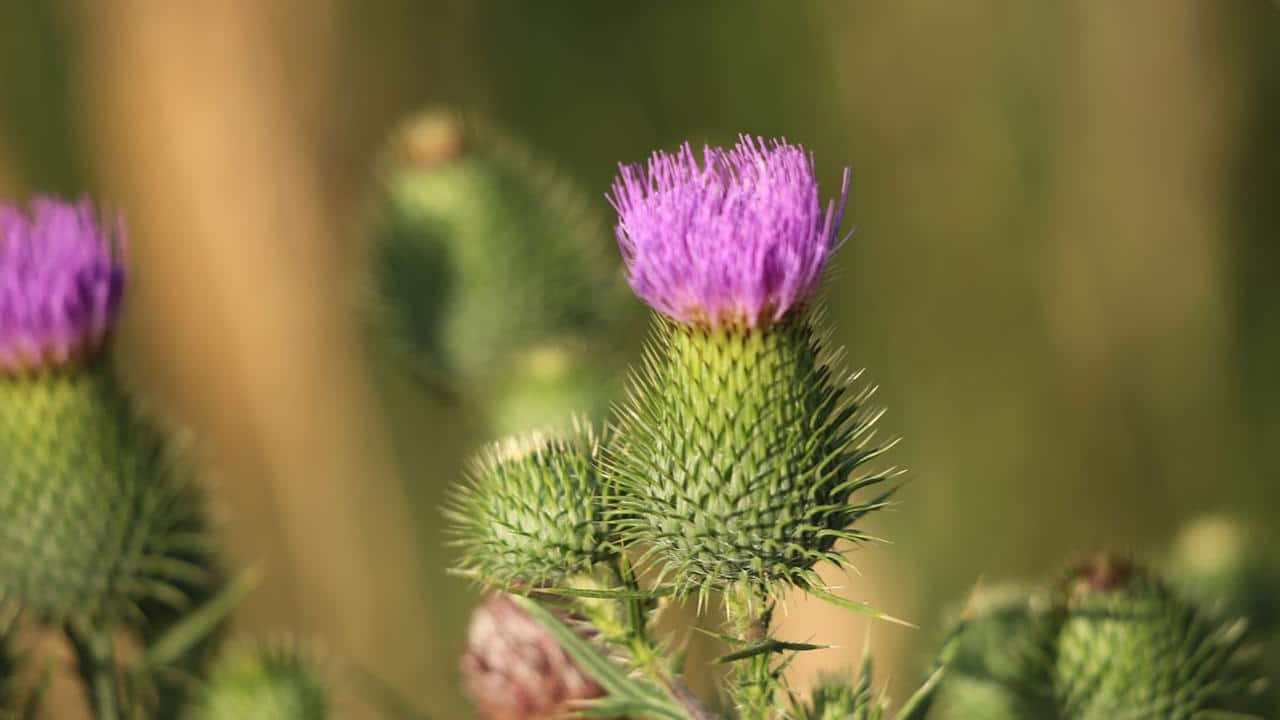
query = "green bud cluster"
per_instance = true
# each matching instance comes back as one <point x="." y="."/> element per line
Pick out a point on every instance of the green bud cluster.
<point x="738" y="454"/>
<point x="741" y="458"/>
<point x="1109" y="641"/>
<point x="1129" y="645"/>
<point x="533" y="509"/>
<point x="264" y="681"/>
<point x="98" y="518"/>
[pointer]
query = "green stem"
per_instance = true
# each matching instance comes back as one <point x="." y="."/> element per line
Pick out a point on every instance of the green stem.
<point x="755" y="684"/>
<point x="97" y="655"/>
<point x="637" y="619"/>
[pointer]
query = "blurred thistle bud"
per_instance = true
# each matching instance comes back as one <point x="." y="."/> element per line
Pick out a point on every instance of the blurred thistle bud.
<point x="1129" y="647"/>
<point x="483" y="251"/>
<point x="737" y="451"/>
<point x="265" y="681"/>
<point x="532" y="510"/>
<point x="838" y="698"/>
<point x="513" y="669"/>
<point x="1001" y="657"/>
<point x="97" y="514"/>
<point x="1230" y="568"/>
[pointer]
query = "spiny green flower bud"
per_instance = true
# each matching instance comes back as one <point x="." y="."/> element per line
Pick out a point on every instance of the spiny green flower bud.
<point x="737" y="453"/>
<point x="482" y="249"/>
<point x="1130" y="648"/>
<point x="265" y="681"/>
<point x="1002" y="658"/>
<point x="532" y="510"/>
<point x="98" y="517"/>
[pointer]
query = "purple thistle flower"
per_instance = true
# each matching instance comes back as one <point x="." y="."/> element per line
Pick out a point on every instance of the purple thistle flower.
<point x="738" y="240"/>
<point x="61" y="282"/>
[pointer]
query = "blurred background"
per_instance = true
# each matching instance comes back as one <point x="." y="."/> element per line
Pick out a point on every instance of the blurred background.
<point x="1065" y="275"/>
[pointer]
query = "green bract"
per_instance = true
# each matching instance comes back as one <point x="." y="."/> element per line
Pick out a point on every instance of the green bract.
<point x="1130" y="648"/>
<point x="264" y="682"/>
<point x="532" y="510"/>
<point x="736" y="456"/>
<point x="98" y="520"/>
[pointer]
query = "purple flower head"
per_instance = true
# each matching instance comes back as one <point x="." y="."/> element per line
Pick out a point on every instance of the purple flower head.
<point x="61" y="281"/>
<point x="738" y="240"/>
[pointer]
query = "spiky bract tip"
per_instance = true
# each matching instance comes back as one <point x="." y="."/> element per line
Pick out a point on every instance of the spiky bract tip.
<point x="100" y="517"/>
<point x="740" y="239"/>
<point x="741" y="457"/>
<point x="532" y="509"/>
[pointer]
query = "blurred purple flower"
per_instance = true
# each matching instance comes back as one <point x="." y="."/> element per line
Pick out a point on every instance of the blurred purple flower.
<point x="61" y="282"/>
<point x="738" y="240"/>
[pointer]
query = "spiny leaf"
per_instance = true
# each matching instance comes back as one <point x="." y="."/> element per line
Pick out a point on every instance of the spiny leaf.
<point x="638" y="697"/>
<point x="197" y="625"/>
<point x="859" y="607"/>
<point x="767" y="647"/>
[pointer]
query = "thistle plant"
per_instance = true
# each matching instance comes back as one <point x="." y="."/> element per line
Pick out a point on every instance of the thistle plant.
<point x="104" y="535"/>
<point x="740" y="457"/>
<point x="740" y="460"/>
<point x="1108" y="639"/>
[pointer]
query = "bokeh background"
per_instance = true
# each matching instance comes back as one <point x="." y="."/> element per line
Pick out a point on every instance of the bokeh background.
<point x="1065" y="275"/>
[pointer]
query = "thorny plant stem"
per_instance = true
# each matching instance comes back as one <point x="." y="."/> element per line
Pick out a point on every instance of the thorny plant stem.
<point x="636" y="617"/>
<point x="754" y="682"/>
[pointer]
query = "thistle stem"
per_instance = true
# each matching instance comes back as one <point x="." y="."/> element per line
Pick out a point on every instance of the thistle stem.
<point x="636" y="620"/>
<point x="98" y="667"/>
<point x="754" y="682"/>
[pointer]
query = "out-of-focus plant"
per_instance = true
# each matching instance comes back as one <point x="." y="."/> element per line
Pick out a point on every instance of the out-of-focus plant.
<point x="104" y="535"/>
<point x="491" y="278"/>
<point x="1109" y="639"/>
<point x="739" y="458"/>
